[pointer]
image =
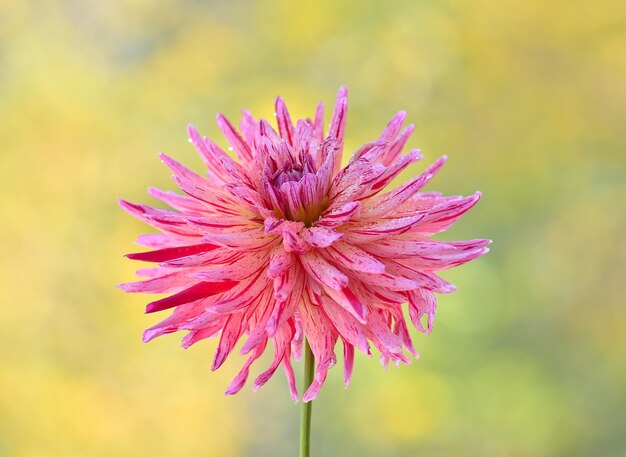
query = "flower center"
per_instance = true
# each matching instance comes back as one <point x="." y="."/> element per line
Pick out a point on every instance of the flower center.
<point x="297" y="203"/>
<point x="294" y="174"/>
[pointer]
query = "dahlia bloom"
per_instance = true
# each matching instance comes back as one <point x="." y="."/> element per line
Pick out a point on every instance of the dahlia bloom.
<point x="285" y="244"/>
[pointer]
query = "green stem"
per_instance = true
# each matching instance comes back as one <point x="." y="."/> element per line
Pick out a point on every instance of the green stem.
<point x="305" y="413"/>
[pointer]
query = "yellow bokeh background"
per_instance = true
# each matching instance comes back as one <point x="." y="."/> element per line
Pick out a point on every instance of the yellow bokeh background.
<point x="526" y="98"/>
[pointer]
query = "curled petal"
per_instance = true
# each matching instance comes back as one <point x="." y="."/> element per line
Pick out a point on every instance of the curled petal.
<point x="323" y="271"/>
<point x="320" y="237"/>
<point x="237" y="384"/>
<point x="422" y="302"/>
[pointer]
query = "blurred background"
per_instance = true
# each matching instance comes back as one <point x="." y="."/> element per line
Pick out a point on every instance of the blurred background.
<point x="528" y="358"/>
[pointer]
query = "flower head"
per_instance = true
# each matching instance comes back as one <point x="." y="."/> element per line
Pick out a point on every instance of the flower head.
<point x="283" y="244"/>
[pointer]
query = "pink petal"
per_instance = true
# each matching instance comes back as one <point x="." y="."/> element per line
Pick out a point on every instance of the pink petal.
<point x="281" y="340"/>
<point x="201" y="334"/>
<point x="339" y="216"/>
<point x="350" y="302"/>
<point x="354" y="258"/>
<point x="159" y="284"/>
<point x="259" y="318"/>
<point x="167" y="221"/>
<point x="243" y="295"/>
<point x="240" y="380"/>
<point x="396" y="147"/>
<point x="392" y="171"/>
<point x="438" y="218"/>
<point x="236" y="270"/>
<point x="293" y="242"/>
<point x="162" y="241"/>
<point x="385" y="340"/>
<point x="394" y="126"/>
<point x="230" y="334"/>
<point x="320" y="237"/>
<point x="318" y="124"/>
<point x="280" y="261"/>
<point x="189" y="181"/>
<point x="322" y="271"/>
<point x="380" y="230"/>
<point x="348" y="363"/>
<point x="386" y="203"/>
<point x="219" y="255"/>
<point x="322" y="342"/>
<point x="388" y="280"/>
<point x="209" y="156"/>
<point x="239" y="145"/>
<point x="249" y="240"/>
<point x="422" y="301"/>
<point x="285" y="126"/>
<point x="247" y="126"/>
<point x="291" y="377"/>
<point x="182" y="203"/>
<point x="348" y="327"/>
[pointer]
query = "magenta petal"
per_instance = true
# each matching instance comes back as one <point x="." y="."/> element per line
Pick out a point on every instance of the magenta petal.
<point x="195" y="292"/>
<point x="162" y="255"/>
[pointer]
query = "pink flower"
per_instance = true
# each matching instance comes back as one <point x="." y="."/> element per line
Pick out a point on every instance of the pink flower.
<point x="284" y="244"/>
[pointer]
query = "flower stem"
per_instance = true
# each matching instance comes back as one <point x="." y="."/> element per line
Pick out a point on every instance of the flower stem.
<point x="305" y="412"/>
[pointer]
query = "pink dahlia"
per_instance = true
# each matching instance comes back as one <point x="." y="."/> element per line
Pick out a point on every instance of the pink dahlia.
<point x="284" y="244"/>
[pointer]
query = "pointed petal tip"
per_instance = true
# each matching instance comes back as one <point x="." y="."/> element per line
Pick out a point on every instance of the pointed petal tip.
<point x="342" y="91"/>
<point x="126" y="205"/>
<point x="235" y="387"/>
<point x="148" y="335"/>
<point x="437" y="164"/>
<point x="128" y="287"/>
<point x="167" y="160"/>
